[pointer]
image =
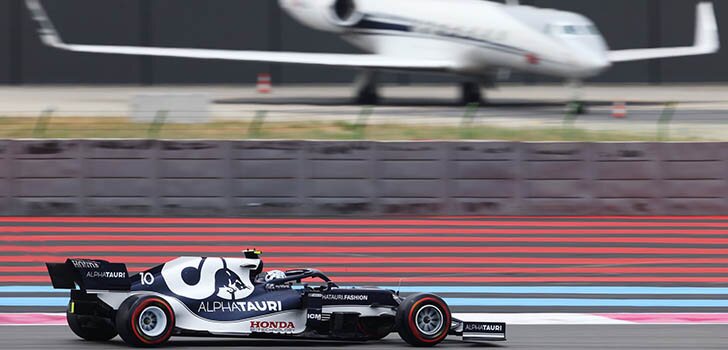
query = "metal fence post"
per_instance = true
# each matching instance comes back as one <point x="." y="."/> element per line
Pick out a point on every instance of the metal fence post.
<point x="156" y="127"/>
<point x="567" y="125"/>
<point x="41" y="123"/>
<point x="663" y="125"/>
<point x="361" y="122"/>
<point x="257" y="124"/>
<point x="471" y="112"/>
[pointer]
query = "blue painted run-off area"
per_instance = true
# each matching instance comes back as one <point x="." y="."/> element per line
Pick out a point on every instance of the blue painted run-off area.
<point x="720" y="300"/>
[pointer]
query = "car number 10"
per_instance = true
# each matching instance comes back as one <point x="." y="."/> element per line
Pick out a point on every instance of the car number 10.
<point x="147" y="278"/>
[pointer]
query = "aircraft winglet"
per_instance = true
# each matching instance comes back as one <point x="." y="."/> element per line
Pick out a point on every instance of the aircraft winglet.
<point x="707" y="40"/>
<point x="46" y="30"/>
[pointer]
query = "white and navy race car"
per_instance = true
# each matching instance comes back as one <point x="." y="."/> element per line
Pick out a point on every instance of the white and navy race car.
<point x="224" y="297"/>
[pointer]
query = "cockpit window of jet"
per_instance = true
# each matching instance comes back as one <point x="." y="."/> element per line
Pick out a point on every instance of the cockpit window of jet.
<point x="473" y="39"/>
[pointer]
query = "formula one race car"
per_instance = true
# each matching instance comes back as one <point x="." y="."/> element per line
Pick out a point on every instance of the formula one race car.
<point x="197" y="296"/>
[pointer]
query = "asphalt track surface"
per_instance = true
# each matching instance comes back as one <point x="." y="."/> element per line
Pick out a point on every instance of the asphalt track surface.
<point x="520" y="337"/>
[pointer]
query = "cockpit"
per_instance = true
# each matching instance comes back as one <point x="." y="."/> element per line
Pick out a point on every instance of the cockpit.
<point x="585" y="43"/>
<point x="571" y="29"/>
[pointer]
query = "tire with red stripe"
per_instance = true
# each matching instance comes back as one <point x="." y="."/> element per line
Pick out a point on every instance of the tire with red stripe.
<point x="145" y="321"/>
<point x="423" y="319"/>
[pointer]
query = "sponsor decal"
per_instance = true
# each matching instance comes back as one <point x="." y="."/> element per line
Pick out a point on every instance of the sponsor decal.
<point x="272" y="326"/>
<point x="483" y="327"/>
<point x="316" y="316"/>
<point x="277" y="286"/>
<point x="346" y="297"/>
<point x="85" y="264"/>
<point x="240" y="306"/>
<point x="106" y="274"/>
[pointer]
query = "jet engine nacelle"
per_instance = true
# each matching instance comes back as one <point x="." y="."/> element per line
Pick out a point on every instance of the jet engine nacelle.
<point x="327" y="15"/>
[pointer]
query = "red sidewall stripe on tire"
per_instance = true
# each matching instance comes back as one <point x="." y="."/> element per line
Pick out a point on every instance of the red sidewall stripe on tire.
<point x="139" y="309"/>
<point x="416" y="332"/>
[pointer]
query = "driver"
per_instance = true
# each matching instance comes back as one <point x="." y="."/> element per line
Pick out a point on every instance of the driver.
<point x="274" y="275"/>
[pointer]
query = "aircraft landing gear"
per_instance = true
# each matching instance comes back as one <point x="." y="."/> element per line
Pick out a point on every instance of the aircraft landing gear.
<point x="366" y="89"/>
<point x="470" y="93"/>
<point x="577" y="108"/>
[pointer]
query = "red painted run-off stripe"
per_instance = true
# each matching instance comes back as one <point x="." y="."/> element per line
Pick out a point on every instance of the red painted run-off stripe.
<point x="574" y="217"/>
<point x="32" y="319"/>
<point x="368" y="249"/>
<point x="359" y="222"/>
<point x="470" y="279"/>
<point x="681" y="318"/>
<point x="257" y="239"/>
<point x="460" y="270"/>
<point x="425" y="260"/>
<point x="357" y="230"/>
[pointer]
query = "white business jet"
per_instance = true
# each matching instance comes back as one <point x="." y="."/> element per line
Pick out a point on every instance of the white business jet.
<point x="474" y="39"/>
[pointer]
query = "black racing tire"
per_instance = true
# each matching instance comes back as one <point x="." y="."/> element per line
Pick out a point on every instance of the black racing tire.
<point x="376" y="328"/>
<point x="145" y="321"/>
<point x="423" y="320"/>
<point x="90" y="328"/>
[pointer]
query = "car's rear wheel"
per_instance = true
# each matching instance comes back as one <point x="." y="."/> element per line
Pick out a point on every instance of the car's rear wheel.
<point x="423" y="320"/>
<point x="90" y="327"/>
<point x="145" y="321"/>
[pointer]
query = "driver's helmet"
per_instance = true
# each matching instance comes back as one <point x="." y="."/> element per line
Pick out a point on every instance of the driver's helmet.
<point x="274" y="275"/>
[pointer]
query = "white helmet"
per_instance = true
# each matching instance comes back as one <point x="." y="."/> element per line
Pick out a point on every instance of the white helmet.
<point x="274" y="275"/>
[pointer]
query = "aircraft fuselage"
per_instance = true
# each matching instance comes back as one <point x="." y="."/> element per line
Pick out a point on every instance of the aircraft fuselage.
<point x="480" y="36"/>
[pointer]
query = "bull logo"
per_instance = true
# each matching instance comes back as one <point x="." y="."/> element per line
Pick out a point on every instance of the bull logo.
<point x="231" y="286"/>
<point x="201" y="278"/>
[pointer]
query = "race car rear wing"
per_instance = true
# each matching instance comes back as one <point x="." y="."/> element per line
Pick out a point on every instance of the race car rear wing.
<point x="89" y="275"/>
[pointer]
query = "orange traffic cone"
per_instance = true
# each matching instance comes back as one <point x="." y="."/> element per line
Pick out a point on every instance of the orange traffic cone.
<point x="264" y="83"/>
<point x="619" y="110"/>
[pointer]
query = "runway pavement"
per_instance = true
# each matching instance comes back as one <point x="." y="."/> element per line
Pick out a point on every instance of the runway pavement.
<point x="663" y="337"/>
<point x="701" y="110"/>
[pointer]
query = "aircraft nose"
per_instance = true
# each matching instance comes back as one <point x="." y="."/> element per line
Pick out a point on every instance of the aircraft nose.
<point x="600" y="63"/>
<point x="595" y="64"/>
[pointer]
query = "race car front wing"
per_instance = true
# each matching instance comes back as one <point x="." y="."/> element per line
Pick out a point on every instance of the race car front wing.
<point x="479" y="331"/>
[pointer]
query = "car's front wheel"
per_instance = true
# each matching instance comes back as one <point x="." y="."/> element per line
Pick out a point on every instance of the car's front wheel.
<point x="145" y="321"/>
<point x="423" y="320"/>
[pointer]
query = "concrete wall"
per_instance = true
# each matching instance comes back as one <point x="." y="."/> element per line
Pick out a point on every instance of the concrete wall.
<point x="249" y="178"/>
<point x="260" y="24"/>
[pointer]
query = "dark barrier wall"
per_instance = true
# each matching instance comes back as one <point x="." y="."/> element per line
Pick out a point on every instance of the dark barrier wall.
<point x="254" y="178"/>
<point x="260" y="24"/>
